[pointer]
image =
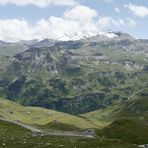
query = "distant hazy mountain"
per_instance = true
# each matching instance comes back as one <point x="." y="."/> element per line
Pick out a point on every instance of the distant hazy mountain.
<point x="2" y="42"/>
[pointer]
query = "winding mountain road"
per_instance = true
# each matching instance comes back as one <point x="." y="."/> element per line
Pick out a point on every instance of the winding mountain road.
<point x="30" y="128"/>
<point x="38" y="132"/>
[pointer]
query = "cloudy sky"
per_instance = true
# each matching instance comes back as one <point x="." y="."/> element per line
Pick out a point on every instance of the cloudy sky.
<point x="31" y="19"/>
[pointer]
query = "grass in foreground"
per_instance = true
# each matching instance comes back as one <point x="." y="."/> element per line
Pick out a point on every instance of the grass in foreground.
<point x="13" y="136"/>
<point x="129" y="130"/>
<point x="125" y="121"/>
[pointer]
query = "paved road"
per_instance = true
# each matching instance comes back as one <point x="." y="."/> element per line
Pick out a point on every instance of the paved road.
<point x="69" y="134"/>
<point x="143" y="146"/>
<point x="30" y="128"/>
<point x="37" y="132"/>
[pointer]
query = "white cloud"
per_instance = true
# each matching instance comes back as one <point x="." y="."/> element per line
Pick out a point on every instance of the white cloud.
<point x="81" y="12"/>
<point x="106" y="22"/>
<point x="73" y="20"/>
<point x="13" y="30"/>
<point x="39" y="3"/>
<point x="117" y="10"/>
<point x="137" y="10"/>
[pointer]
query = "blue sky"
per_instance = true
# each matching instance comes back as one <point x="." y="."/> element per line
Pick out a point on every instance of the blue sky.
<point x="29" y="19"/>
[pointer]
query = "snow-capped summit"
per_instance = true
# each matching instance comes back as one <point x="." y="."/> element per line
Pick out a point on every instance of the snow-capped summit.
<point x="108" y="34"/>
<point x="73" y="37"/>
<point x="84" y="35"/>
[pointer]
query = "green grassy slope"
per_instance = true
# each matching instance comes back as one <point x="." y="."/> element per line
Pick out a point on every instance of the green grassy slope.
<point x="103" y="117"/>
<point x="123" y="124"/>
<point x="129" y="130"/>
<point x="126" y="121"/>
<point x="40" y="116"/>
<point x="131" y="108"/>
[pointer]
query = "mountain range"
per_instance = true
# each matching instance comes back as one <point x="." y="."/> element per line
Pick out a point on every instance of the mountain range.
<point x="90" y="83"/>
<point x="75" y="76"/>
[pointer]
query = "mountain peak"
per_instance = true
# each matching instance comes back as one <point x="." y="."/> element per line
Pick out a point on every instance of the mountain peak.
<point x="84" y="35"/>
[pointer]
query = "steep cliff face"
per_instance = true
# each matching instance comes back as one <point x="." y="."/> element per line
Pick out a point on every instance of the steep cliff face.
<point x="77" y="76"/>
